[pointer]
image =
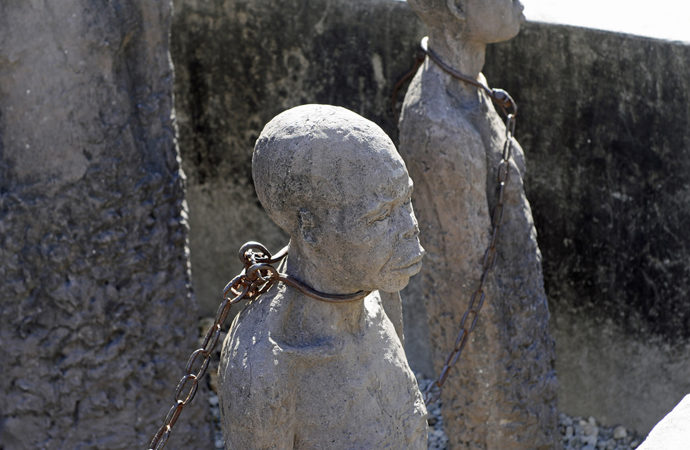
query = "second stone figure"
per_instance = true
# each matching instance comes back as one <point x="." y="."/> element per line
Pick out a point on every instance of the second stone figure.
<point x="502" y="393"/>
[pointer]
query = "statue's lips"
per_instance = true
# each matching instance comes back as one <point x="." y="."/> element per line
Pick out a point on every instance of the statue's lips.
<point x="412" y="267"/>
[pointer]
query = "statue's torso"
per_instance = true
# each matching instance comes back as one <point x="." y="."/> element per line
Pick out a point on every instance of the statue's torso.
<point x="344" y="391"/>
<point x="452" y="150"/>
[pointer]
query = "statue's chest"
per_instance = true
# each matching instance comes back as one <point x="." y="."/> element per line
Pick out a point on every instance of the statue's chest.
<point x="365" y="396"/>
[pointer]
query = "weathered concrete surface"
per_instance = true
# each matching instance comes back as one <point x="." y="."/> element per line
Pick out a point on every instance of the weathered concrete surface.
<point x="297" y="372"/>
<point x="603" y="118"/>
<point x="673" y="432"/>
<point x="96" y="312"/>
<point x="240" y="62"/>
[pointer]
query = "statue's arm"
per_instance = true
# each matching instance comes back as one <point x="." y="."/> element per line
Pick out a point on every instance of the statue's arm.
<point x="257" y="406"/>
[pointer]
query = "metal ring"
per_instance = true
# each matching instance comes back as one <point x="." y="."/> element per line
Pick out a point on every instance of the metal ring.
<point x="252" y="245"/>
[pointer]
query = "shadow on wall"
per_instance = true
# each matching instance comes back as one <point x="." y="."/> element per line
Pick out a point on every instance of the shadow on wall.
<point x="604" y="126"/>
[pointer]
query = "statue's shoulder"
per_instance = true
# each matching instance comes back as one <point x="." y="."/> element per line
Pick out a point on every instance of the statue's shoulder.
<point x="251" y="360"/>
<point x="249" y="337"/>
<point x="259" y="336"/>
<point x="427" y="106"/>
<point x="254" y="382"/>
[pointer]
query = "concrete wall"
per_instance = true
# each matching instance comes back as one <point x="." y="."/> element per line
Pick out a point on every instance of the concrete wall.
<point x="96" y="313"/>
<point x="603" y="121"/>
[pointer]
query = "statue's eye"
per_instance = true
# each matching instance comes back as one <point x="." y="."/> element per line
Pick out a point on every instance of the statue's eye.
<point x="380" y="216"/>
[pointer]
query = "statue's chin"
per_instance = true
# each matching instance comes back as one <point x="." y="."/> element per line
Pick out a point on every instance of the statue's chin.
<point x="396" y="284"/>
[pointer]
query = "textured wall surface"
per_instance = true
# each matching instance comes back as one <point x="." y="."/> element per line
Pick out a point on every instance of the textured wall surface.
<point x="97" y="317"/>
<point x="604" y="119"/>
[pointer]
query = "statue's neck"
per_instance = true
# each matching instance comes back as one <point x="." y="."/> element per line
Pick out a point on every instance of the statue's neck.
<point x="462" y="54"/>
<point x="312" y="317"/>
<point x="465" y="56"/>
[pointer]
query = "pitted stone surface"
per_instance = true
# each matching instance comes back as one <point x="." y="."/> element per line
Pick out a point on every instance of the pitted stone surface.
<point x="297" y="372"/>
<point x="502" y="394"/>
<point x="96" y="314"/>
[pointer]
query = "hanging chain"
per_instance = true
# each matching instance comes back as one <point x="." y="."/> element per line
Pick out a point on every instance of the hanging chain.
<point x="469" y="318"/>
<point x="257" y="277"/>
<point x="509" y="108"/>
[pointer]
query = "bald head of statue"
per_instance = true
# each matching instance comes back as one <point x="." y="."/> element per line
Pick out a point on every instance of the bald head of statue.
<point x="481" y="21"/>
<point x="336" y="184"/>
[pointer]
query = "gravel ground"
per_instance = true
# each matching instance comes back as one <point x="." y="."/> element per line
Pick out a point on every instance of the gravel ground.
<point x="577" y="433"/>
<point x="587" y="434"/>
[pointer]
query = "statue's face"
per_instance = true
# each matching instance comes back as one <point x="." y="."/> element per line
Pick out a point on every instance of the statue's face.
<point x="490" y="21"/>
<point x="373" y="234"/>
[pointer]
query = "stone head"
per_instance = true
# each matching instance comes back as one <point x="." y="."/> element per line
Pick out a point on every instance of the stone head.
<point x="336" y="184"/>
<point x="484" y="21"/>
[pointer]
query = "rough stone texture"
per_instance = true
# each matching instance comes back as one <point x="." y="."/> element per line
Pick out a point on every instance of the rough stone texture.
<point x="503" y="393"/>
<point x="297" y="372"/>
<point x="673" y="432"/>
<point x="96" y="312"/>
<point x="240" y="62"/>
<point x="604" y="118"/>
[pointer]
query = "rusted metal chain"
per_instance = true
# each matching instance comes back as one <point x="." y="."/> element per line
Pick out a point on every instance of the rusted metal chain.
<point x="498" y="96"/>
<point x="256" y="278"/>
<point x="471" y="314"/>
<point x="419" y="60"/>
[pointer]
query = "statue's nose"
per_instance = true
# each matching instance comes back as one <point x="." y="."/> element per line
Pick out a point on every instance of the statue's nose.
<point x="411" y="227"/>
<point x="411" y="232"/>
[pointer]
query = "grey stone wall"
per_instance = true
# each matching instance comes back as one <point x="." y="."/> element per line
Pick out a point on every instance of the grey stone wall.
<point x="97" y="317"/>
<point x="604" y="121"/>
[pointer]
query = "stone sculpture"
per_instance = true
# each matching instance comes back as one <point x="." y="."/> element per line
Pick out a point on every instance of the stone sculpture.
<point x="297" y="372"/>
<point x="96" y="309"/>
<point x="502" y="394"/>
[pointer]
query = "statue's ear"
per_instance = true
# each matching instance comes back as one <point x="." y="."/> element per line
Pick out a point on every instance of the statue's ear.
<point x="307" y="226"/>
<point x="456" y="9"/>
